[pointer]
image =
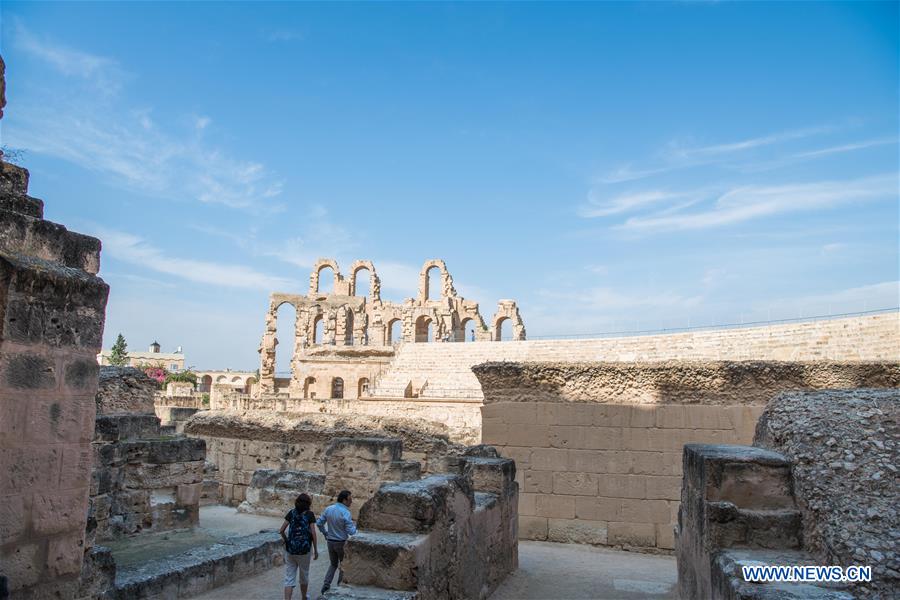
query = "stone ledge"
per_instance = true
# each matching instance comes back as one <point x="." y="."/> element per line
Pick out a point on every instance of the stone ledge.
<point x="200" y="570"/>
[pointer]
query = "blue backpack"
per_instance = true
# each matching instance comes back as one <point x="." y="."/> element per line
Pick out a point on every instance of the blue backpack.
<point x="299" y="539"/>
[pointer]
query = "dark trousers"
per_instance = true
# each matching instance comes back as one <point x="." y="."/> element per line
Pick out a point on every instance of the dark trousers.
<point x="335" y="555"/>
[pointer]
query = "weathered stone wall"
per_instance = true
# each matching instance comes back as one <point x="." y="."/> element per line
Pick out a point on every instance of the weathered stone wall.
<point x="845" y="452"/>
<point x="125" y="390"/>
<point x="141" y="484"/>
<point x="175" y="417"/>
<point x="599" y="446"/>
<point x="240" y="443"/>
<point x="52" y="308"/>
<point x="460" y="418"/>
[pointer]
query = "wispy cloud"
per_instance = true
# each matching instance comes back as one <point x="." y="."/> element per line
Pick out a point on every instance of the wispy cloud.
<point x="678" y="154"/>
<point x="133" y="249"/>
<point x="846" y="148"/>
<point x="598" y="207"/>
<point x="752" y="202"/>
<point x="92" y="128"/>
<point x="105" y="73"/>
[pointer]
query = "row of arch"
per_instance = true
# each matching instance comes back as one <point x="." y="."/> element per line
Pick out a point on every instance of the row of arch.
<point x="336" y="387"/>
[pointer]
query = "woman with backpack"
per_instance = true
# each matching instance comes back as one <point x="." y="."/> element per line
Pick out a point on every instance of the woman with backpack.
<point x="300" y="523"/>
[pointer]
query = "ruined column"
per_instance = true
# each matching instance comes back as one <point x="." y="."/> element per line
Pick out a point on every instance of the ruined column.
<point x="267" y="355"/>
<point x="52" y="306"/>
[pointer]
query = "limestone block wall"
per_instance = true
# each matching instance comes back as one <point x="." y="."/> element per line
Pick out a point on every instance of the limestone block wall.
<point x="598" y="446"/>
<point x="52" y="307"/>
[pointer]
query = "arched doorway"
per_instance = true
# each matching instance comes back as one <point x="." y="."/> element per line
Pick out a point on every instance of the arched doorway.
<point x="348" y="329"/>
<point x="468" y="330"/>
<point x="286" y="329"/>
<point x="395" y="331"/>
<point x="424" y="329"/>
<point x="308" y="387"/>
<point x="337" y="388"/>
<point x="206" y="383"/>
<point x="433" y="284"/>
<point x="318" y="329"/>
<point x="362" y="389"/>
<point x="503" y="330"/>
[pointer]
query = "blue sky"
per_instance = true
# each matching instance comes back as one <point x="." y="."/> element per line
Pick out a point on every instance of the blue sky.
<point x="610" y="166"/>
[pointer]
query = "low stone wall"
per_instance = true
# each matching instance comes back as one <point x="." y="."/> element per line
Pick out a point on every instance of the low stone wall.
<point x="202" y="569"/>
<point x="174" y="416"/>
<point x="240" y="443"/>
<point x="461" y="417"/>
<point x="142" y="485"/>
<point x="140" y="480"/>
<point x="124" y="390"/>
<point x="599" y="446"/>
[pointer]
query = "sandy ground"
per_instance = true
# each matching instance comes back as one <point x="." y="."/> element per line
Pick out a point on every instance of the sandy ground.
<point x="546" y="570"/>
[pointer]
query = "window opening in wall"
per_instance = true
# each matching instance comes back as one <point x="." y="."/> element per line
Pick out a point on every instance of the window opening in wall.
<point x="424" y="329"/>
<point x="363" y="283"/>
<point x="308" y="384"/>
<point x="468" y="330"/>
<point x="285" y="330"/>
<point x="318" y="330"/>
<point x="433" y="283"/>
<point x="504" y="331"/>
<point x="395" y="331"/>
<point x="363" y="388"/>
<point x="326" y="280"/>
<point x="348" y="330"/>
<point x="337" y="388"/>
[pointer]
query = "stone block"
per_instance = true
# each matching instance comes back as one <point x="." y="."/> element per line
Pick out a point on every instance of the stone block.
<point x="665" y="536"/>
<point x="521" y="434"/>
<point x="21" y="564"/>
<point x="55" y="511"/>
<point x="386" y="560"/>
<point x="639" y="535"/>
<point x="575" y="484"/>
<point x="549" y="459"/>
<point x="576" y="531"/>
<point x="555" y="507"/>
<point x="188" y="494"/>
<point x="76" y="466"/>
<point x="538" y="482"/>
<point x="415" y="506"/>
<point x="28" y="371"/>
<point x="12" y="517"/>
<point x="24" y="469"/>
<point x="645" y="511"/>
<point x="598" y="508"/>
<point x="533" y="528"/>
<point x="64" y="554"/>
<point x="494" y="475"/>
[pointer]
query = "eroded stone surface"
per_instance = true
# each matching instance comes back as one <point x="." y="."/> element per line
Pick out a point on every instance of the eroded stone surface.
<point x="844" y="447"/>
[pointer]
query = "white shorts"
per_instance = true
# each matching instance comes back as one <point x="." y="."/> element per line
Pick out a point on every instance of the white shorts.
<point x="294" y="563"/>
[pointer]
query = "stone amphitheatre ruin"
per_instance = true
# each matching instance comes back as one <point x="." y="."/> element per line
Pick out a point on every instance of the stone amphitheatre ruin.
<point x="454" y="449"/>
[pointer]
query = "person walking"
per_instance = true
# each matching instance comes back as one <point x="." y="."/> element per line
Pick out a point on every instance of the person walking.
<point x="336" y="524"/>
<point x="300" y="539"/>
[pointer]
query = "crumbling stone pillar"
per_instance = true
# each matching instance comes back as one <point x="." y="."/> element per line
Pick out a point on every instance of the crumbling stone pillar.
<point x="52" y="306"/>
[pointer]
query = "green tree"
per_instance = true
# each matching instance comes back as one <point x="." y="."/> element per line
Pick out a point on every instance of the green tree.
<point x="118" y="356"/>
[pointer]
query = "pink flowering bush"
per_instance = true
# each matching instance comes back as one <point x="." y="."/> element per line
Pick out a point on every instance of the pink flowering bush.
<point x="157" y="374"/>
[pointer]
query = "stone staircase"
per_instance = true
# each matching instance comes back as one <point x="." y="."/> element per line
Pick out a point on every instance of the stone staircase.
<point x="738" y="509"/>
